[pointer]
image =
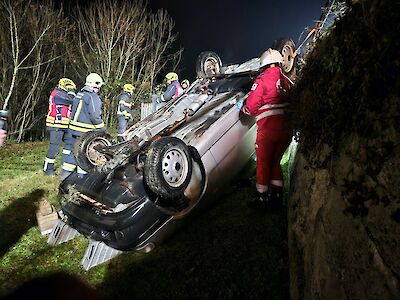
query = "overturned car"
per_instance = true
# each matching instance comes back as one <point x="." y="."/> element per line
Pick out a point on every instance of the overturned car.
<point x="170" y="165"/>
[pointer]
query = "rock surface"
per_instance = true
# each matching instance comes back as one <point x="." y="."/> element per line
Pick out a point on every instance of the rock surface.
<point x="344" y="208"/>
<point x="336" y="253"/>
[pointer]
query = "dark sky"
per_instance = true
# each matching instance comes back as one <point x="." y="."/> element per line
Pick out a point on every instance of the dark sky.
<point x="236" y="30"/>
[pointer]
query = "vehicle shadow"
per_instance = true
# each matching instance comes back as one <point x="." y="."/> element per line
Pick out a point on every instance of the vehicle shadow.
<point x="18" y="218"/>
<point x="228" y="251"/>
<point x="54" y="285"/>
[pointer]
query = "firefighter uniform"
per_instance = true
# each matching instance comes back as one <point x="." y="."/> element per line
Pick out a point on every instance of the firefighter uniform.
<point x="85" y="117"/>
<point x="267" y="103"/>
<point x="173" y="90"/>
<point x="57" y="121"/>
<point x="124" y="112"/>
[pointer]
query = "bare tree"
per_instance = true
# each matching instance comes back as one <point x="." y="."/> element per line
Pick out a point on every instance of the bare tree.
<point x="123" y="41"/>
<point x="29" y="53"/>
<point x="111" y="35"/>
<point x="156" y="53"/>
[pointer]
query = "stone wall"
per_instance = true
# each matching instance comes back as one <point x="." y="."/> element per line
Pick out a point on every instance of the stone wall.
<point x="344" y="225"/>
<point x="344" y="209"/>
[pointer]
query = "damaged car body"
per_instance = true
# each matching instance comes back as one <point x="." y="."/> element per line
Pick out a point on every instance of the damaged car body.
<point x="171" y="164"/>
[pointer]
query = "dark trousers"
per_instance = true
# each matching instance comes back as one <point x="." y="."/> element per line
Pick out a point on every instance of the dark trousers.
<point x="122" y="124"/>
<point x="57" y="136"/>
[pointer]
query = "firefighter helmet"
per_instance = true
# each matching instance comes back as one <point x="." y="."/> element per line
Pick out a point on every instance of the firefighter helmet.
<point x="171" y="76"/>
<point x="94" y="80"/>
<point x="270" y="56"/>
<point x="66" y="84"/>
<point x="129" y="88"/>
<point x="185" y="84"/>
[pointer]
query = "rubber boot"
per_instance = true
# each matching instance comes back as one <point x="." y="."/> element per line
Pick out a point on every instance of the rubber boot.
<point x="48" y="169"/>
<point x="276" y="197"/>
<point x="260" y="201"/>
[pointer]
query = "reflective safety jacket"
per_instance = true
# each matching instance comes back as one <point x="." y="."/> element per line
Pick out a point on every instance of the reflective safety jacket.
<point x="125" y="105"/>
<point x="268" y="95"/>
<point x="86" y="112"/>
<point x="59" y="109"/>
<point x="173" y="91"/>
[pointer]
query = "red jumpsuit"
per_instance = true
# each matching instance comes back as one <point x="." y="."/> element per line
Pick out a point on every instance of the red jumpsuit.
<point x="267" y="103"/>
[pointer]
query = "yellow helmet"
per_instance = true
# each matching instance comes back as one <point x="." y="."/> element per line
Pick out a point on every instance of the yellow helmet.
<point x="171" y="76"/>
<point x="66" y="84"/>
<point x="129" y="88"/>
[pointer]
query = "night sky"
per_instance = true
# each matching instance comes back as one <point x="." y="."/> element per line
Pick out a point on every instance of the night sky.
<point x="236" y="30"/>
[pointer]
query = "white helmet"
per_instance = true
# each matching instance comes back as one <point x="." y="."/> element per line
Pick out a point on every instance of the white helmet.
<point x="94" y="80"/>
<point x="270" y="56"/>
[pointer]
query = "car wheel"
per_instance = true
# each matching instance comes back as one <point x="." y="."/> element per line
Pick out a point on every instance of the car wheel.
<point x="168" y="167"/>
<point x="208" y="64"/>
<point x="87" y="157"/>
<point x="287" y="48"/>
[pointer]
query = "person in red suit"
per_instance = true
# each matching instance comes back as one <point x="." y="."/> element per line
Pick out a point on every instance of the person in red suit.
<point x="267" y="103"/>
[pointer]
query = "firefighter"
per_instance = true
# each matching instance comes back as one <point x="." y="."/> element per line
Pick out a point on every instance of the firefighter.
<point x="267" y="102"/>
<point x="173" y="90"/>
<point x="3" y="136"/>
<point x="124" y="112"/>
<point x="85" y="117"/>
<point x="57" y="120"/>
<point x="185" y="84"/>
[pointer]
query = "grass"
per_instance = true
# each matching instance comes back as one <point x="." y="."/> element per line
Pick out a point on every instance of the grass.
<point x="227" y="252"/>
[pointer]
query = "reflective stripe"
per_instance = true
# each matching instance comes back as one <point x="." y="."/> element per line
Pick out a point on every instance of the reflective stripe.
<point x="80" y="129"/>
<point x="126" y="114"/>
<point x="276" y="182"/>
<point x="271" y="112"/>
<point x="52" y="122"/>
<point x="67" y="152"/>
<point x="279" y="105"/>
<point x="86" y="125"/>
<point x="68" y="167"/>
<point x="81" y="171"/>
<point x="261" y="188"/>
<point x="53" y="119"/>
<point x="123" y="113"/>
<point x="80" y="124"/>
<point x="57" y="125"/>
<point x="78" y="110"/>
<point x="50" y="160"/>
<point x="98" y="126"/>
<point x="126" y="103"/>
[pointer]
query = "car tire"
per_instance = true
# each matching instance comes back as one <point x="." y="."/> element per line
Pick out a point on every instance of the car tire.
<point x="208" y="64"/>
<point x="168" y="167"/>
<point x="287" y="48"/>
<point x="86" y="156"/>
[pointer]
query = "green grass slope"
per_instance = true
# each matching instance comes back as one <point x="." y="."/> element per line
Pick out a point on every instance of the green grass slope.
<point x="227" y="252"/>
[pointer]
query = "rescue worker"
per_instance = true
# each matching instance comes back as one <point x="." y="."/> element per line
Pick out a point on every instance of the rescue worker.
<point x="173" y="90"/>
<point x="85" y="117"/>
<point x="57" y="120"/>
<point x="124" y="112"/>
<point x="185" y="84"/>
<point x="3" y="136"/>
<point x="267" y="102"/>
